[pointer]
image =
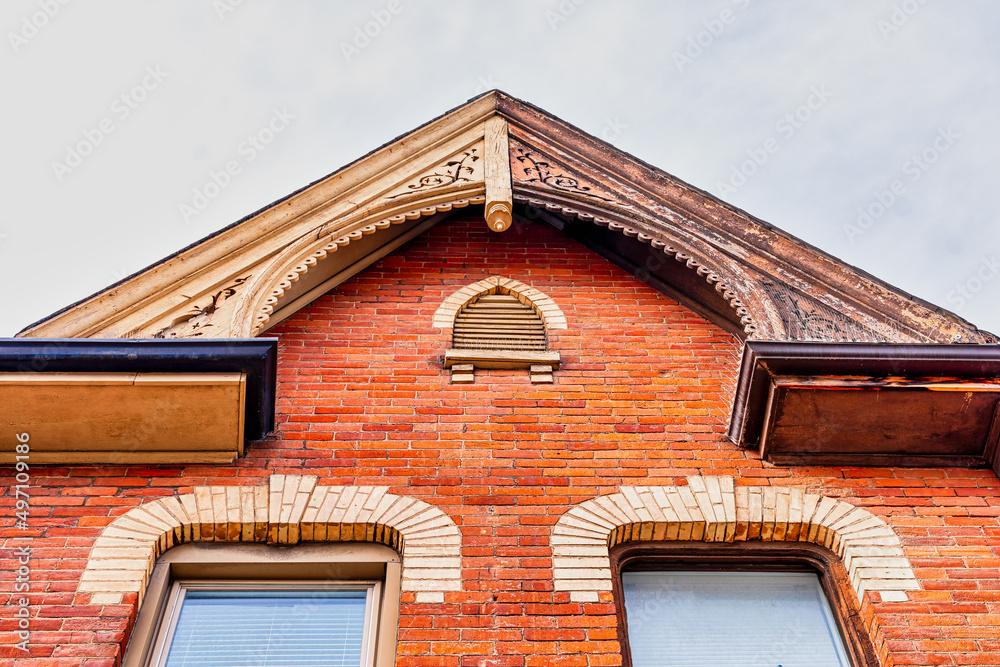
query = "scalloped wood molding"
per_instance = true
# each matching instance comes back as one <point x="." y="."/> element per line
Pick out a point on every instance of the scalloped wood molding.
<point x="495" y="151"/>
<point x="194" y="293"/>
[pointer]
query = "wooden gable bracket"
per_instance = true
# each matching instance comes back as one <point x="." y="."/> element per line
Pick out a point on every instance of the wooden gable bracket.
<point x="499" y="209"/>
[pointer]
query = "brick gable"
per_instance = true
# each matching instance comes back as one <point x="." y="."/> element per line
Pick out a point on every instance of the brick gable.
<point x="641" y="399"/>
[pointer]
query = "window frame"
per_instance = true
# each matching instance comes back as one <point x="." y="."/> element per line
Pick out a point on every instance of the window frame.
<point x="751" y="556"/>
<point x="259" y="566"/>
<point x="163" y="637"/>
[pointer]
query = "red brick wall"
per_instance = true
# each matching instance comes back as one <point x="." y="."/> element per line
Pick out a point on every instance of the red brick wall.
<point x="642" y="397"/>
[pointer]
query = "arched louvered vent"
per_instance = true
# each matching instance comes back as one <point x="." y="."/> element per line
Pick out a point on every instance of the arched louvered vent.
<point x="498" y="322"/>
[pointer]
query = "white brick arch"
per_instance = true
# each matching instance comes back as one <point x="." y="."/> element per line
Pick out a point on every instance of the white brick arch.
<point x="551" y="314"/>
<point x="286" y="510"/>
<point x="712" y="509"/>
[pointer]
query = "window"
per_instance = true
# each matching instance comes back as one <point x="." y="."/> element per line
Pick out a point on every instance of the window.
<point x="727" y="605"/>
<point x="245" y="623"/>
<point x="330" y="605"/>
<point x="723" y="619"/>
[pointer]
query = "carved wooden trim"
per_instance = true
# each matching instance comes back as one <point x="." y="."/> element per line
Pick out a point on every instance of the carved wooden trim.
<point x="552" y="165"/>
<point x="551" y="314"/>
<point x="607" y="214"/>
<point x="545" y="183"/>
<point x="463" y="168"/>
<point x="257" y="303"/>
<point x="204" y="316"/>
<point x="358" y="195"/>
<point x="288" y="509"/>
<point x="713" y="229"/>
<point x="532" y="168"/>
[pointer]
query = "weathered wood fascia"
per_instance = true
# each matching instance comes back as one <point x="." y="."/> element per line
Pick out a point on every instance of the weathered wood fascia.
<point x="726" y="251"/>
<point x="645" y="187"/>
<point x="326" y="206"/>
<point x="763" y="361"/>
<point x="743" y="268"/>
<point x="727" y="229"/>
<point x="144" y="417"/>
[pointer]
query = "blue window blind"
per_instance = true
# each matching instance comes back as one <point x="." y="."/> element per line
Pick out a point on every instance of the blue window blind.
<point x="250" y="628"/>
<point x="730" y="619"/>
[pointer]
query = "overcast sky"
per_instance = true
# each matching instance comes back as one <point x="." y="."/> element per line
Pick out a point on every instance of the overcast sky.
<point x="869" y="128"/>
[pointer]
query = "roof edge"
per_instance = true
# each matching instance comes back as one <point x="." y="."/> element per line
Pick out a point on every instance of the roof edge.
<point x="493" y="94"/>
<point x="539" y="120"/>
<point x="257" y="357"/>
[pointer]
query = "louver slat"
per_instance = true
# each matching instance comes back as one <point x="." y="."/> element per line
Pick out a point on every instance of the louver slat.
<point x="498" y="322"/>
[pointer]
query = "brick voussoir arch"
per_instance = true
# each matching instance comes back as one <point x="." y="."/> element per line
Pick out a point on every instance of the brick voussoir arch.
<point x="286" y="510"/>
<point x="551" y="314"/>
<point x="713" y="509"/>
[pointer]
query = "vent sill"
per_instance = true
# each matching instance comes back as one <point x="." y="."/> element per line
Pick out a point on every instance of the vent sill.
<point x="500" y="358"/>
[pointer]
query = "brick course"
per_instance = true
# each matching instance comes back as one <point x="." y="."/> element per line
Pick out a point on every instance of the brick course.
<point x="641" y="400"/>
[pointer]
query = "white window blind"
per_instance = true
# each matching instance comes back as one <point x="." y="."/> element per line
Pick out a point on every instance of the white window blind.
<point x="249" y="628"/>
<point x="730" y="619"/>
